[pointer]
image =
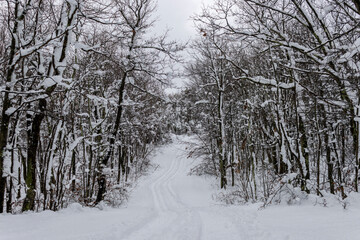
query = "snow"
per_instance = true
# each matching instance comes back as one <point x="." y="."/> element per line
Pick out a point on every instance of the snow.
<point x="10" y="111"/>
<point x="75" y="143"/>
<point x="172" y="91"/>
<point x="271" y="82"/>
<point x="170" y="204"/>
<point x="202" y="102"/>
<point x="48" y="82"/>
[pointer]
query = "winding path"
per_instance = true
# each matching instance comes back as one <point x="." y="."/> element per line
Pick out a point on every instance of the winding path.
<point x="171" y="218"/>
<point x="181" y="205"/>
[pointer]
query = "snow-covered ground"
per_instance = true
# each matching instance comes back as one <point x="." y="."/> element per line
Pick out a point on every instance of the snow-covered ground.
<point x="169" y="204"/>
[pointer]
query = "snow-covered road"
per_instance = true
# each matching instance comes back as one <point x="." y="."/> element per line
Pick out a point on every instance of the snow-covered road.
<point x="169" y="218"/>
<point x="169" y="204"/>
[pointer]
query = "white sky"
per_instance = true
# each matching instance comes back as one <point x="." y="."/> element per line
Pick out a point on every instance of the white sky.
<point x="175" y="14"/>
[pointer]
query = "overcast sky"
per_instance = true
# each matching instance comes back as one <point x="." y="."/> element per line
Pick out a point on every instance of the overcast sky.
<point x="175" y="14"/>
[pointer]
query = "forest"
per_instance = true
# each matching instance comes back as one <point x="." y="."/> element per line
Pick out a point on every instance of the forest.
<point x="271" y="93"/>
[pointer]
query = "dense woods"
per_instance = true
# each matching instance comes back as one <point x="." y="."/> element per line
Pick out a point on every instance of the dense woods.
<point x="272" y="94"/>
<point x="275" y="89"/>
<point x="81" y="100"/>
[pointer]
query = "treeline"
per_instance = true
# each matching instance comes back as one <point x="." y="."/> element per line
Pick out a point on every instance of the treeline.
<point x="81" y="100"/>
<point x="274" y="95"/>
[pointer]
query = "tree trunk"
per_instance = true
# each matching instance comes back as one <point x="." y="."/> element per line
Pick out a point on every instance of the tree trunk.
<point x="330" y="164"/>
<point x="103" y="162"/>
<point x="5" y="118"/>
<point x="221" y="139"/>
<point x="33" y="142"/>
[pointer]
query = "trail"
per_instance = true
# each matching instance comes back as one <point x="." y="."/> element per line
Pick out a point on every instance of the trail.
<point x="168" y="204"/>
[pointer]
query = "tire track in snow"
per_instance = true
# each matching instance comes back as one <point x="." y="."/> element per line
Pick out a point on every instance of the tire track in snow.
<point x="195" y="220"/>
<point x="158" y="199"/>
<point x="164" y="211"/>
<point x="157" y="202"/>
<point x="173" y="219"/>
<point x="188" y="223"/>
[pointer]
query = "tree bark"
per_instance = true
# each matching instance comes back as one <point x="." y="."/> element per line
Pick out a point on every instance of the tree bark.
<point x="103" y="162"/>
<point x="5" y="118"/>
